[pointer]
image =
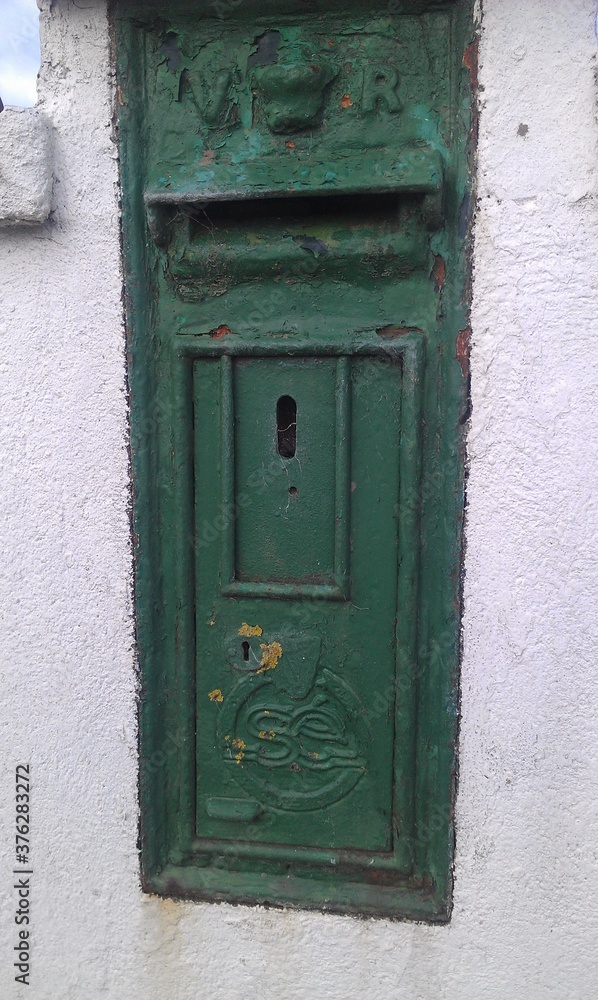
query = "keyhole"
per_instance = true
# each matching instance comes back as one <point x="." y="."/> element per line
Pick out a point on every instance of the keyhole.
<point x="245" y="648"/>
<point x="286" y="426"/>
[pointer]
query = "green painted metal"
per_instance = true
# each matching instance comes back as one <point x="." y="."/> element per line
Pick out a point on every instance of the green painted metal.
<point x="295" y="191"/>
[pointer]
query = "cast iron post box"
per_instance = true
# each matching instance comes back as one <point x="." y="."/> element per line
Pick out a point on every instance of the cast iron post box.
<point x="294" y="179"/>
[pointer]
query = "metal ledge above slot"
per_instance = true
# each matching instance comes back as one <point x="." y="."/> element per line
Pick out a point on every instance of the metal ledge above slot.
<point x="417" y="172"/>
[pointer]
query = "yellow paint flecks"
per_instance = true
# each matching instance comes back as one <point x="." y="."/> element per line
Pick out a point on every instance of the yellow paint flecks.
<point x="240" y="745"/>
<point x="266" y="734"/>
<point x="249" y="630"/>
<point x="272" y="651"/>
<point x="227" y="737"/>
<point x="216" y="695"/>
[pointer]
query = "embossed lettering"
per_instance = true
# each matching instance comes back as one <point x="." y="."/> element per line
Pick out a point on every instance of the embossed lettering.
<point x="379" y="89"/>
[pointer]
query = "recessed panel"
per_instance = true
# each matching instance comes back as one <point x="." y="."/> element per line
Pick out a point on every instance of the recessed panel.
<point x="285" y="447"/>
<point x="292" y="745"/>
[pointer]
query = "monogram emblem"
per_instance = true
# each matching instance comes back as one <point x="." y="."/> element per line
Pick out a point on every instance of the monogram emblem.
<point x="295" y="753"/>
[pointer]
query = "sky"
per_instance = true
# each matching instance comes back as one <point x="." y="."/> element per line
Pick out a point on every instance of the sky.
<point x="19" y="52"/>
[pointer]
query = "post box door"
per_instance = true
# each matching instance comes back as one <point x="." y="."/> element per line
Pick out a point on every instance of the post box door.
<point x="297" y="602"/>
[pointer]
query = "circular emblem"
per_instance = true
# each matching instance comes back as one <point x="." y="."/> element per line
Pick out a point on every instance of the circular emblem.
<point x="295" y="753"/>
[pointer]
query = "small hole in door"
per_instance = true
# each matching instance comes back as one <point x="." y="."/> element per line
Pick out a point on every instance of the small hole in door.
<point x="286" y="427"/>
<point x="245" y="648"/>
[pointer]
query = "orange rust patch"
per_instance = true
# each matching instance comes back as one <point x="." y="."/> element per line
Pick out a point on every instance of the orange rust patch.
<point x="220" y="331"/>
<point x="346" y="101"/>
<point x="438" y="272"/>
<point x="470" y="61"/>
<point x="462" y="352"/>
<point x="391" y="332"/>
<point x="291" y="145"/>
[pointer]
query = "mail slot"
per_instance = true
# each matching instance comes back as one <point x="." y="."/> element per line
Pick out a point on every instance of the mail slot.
<point x="295" y="192"/>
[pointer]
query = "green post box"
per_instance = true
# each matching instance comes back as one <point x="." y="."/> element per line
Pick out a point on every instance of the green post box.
<point x="295" y="209"/>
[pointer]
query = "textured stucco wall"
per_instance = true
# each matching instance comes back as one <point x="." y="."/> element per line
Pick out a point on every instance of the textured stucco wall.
<point x="525" y="922"/>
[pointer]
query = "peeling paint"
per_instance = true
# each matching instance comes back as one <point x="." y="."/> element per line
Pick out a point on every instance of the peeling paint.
<point x="216" y="695"/>
<point x="462" y="352"/>
<point x="438" y="274"/>
<point x="470" y="61"/>
<point x="390" y="332"/>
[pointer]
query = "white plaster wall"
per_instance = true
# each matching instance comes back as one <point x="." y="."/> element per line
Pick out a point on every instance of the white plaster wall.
<point x="525" y="921"/>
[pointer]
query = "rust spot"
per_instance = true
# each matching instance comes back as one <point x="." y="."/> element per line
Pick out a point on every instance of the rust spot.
<point x="291" y="145"/>
<point x="346" y="101"/>
<point x="470" y="61"/>
<point x="392" y="332"/>
<point x="462" y="352"/>
<point x="208" y="156"/>
<point x="220" y="331"/>
<point x="438" y="272"/>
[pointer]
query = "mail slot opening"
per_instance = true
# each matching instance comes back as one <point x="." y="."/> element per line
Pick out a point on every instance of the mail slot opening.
<point x="286" y="424"/>
<point x="362" y="209"/>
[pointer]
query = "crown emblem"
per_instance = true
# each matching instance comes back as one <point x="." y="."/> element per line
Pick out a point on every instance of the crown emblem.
<point x="293" y="94"/>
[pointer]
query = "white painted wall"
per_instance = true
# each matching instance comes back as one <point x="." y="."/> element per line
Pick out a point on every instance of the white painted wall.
<point x="525" y="921"/>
